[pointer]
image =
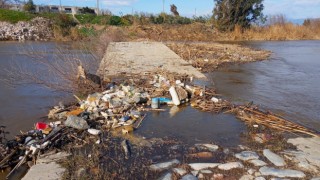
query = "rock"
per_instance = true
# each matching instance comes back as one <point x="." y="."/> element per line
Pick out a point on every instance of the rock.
<point x="37" y="29"/>
<point x="251" y="171"/>
<point x="268" y="171"/>
<point x="167" y="176"/>
<point x="308" y="151"/>
<point x="247" y="177"/>
<point x="189" y="177"/>
<point x="257" y="162"/>
<point x="214" y="99"/>
<point x="247" y="155"/>
<point x="315" y="178"/>
<point x="206" y="171"/>
<point x="201" y="155"/>
<point x="218" y="176"/>
<point x="94" y="131"/>
<point x="164" y="165"/>
<point x="274" y="158"/>
<point x="200" y="166"/>
<point x="210" y="147"/>
<point x="200" y="176"/>
<point x="230" y="165"/>
<point x="76" y="122"/>
<point x="257" y="174"/>
<point x="259" y="178"/>
<point x="180" y="171"/>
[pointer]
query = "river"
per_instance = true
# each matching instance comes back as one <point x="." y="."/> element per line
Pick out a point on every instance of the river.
<point x="288" y="83"/>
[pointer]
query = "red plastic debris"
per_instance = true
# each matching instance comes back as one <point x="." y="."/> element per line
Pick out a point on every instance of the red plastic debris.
<point x="41" y="126"/>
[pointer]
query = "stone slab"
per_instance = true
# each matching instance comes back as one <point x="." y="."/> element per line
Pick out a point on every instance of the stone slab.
<point x="140" y="57"/>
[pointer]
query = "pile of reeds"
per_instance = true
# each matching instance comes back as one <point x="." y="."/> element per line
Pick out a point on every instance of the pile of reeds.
<point x="210" y="106"/>
<point x="255" y="116"/>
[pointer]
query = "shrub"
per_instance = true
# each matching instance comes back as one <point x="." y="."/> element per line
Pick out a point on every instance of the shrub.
<point x="115" y="21"/>
<point x="85" y="18"/>
<point x="65" y="21"/>
<point x="86" y="10"/>
<point x="87" y="31"/>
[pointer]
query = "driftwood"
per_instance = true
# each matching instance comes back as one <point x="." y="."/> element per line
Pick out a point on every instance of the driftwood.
<point x="253" y="115"/>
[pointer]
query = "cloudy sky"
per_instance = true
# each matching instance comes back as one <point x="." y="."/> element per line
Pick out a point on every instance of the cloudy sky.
<point x="293" y="9"/>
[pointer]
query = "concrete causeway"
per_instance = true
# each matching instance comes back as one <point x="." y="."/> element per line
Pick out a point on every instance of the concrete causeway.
<point x="139" y="57"/>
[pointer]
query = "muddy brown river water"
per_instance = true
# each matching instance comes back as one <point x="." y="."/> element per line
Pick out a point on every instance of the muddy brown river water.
<point x="288" y="83"/>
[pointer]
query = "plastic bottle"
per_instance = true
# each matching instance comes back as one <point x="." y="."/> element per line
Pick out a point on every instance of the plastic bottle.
<point x="155" y="103"/>
<point x="174" y="95"/>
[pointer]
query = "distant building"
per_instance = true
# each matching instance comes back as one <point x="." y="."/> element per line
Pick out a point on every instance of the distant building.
<point x="53" y="8"/>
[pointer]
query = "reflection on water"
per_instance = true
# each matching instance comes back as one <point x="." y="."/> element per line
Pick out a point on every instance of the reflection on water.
<point x="23" y="105"/>
<point x="288" y="83"/>
<point x="192" y="126"/>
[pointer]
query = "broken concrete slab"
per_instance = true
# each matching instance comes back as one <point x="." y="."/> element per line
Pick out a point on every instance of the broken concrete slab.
<point x="200" y="166"/>
<point x="274" y="158"/>
<point x="139" y="57"/>
<point x="50" y="171"/>
<point x="308" y="151"/>
<point x="164" y="165"/>
<point x="230" y="165"/>
<point x="257" y="162"/>
<point x="47" y="167"/>
<point x="269" y="171"/>
<point x="247" y="155"/>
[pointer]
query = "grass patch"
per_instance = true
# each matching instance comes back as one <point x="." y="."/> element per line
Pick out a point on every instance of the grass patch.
<point x="92" y="19"/>
<point x="15" y="16"/>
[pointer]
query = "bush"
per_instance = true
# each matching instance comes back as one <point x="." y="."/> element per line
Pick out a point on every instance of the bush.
<point x="115" y="21"/>
<point x="65" y="21"/>
<point x="201" y="19"/>
<point x="87" y="32"/>
<point x="85" y="18"/>
<point x="157" y="20"/>
<point x="63" y="24"/>
<point x="14" y="16"/>
<point x="127" y="20"/>
<point x="86" y="10"/>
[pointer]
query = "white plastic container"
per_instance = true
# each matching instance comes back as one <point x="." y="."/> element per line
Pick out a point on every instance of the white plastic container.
<point x="174" y="95"/>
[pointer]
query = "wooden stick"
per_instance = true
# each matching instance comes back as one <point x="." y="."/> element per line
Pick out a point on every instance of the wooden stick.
<point x="7" y="157"/>
<point x="141" y="121"/>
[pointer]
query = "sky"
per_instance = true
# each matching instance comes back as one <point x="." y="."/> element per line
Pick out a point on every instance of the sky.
<point x="292" y="9"/>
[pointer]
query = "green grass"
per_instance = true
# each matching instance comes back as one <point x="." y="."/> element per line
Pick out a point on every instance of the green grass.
<point x="15" y="16"/>
<point x="92" y="19"/>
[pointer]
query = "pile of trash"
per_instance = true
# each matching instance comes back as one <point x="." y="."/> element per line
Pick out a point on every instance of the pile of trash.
<point x="37" y="29"/>
<point x="121" y="106"/>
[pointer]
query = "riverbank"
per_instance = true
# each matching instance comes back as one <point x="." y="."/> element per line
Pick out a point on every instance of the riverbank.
<point x="152" y="151"/>
<point x="111" y="149"/>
